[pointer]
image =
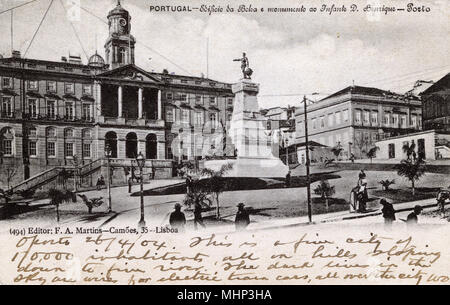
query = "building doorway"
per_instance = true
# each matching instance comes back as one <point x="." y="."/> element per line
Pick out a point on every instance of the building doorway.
<point x="111" y="140"/>
<point x="421" y="148"/>
<point x="131" y="150"/>
<point x="151" y="147"/>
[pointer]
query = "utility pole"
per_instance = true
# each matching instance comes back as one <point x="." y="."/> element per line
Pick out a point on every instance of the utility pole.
<point x="12" y="31"/>
<point x="308" y="182"/>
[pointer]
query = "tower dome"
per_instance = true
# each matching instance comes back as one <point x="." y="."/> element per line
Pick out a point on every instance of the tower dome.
<point x="118" y="11"/>
<point x="96" y="61"/>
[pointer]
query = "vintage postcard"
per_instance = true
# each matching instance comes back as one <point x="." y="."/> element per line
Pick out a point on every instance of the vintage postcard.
<point x="224" y="142"/>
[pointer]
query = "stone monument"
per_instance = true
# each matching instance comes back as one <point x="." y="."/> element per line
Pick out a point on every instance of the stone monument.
<point x="249" y="135"/>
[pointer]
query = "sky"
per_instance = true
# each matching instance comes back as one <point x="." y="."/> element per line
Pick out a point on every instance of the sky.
<point x="291" y="54"/>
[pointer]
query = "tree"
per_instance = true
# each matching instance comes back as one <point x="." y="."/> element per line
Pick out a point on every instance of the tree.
<point x="411" y="170"/>
<point x="58" y="197"/>
<point x="91" y="203"/>
<point x="9" y="174"/>
<point x="216" y="183"/>
<point x="409" y="150"/>
<point x="63" y="176"/>
<point x="386" y="183"/>
<point x="372" y="153"/>
<point x="362" y="143"/>
<point x="325" y="190"/>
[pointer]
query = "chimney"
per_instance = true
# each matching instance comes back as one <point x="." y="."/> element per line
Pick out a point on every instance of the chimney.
<point x="16" y="54"/>
<point x="74" y="59"/>
<point x="63" y="59"/>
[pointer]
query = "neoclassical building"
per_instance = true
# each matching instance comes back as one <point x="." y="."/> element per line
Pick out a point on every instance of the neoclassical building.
<point x="55" y="113"/>
<point x="356" y="118"/>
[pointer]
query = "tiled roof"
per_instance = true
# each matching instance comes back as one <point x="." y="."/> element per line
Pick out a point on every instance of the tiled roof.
<point x="361" y="90"/>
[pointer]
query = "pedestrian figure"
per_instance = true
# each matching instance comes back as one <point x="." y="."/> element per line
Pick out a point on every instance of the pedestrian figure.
<point x="198" y="219"/>
<point x="130" y="183"/>
<point x="188" y="184"/>
<point x="100" y="182"/>
<point x="352" y="157"/>
<point x="288" y="179"/>
<point x="388" y="212"/>
<point x="412" y="219"/>
<point x="362" y="194"/>
<point x="177" y="219"/>
<point x="242" y="218"/>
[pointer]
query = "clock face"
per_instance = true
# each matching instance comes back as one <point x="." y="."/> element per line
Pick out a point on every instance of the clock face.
<point x="123" y="22"/>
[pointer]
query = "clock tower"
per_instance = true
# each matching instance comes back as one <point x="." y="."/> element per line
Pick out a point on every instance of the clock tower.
<point x="119" y="47"/>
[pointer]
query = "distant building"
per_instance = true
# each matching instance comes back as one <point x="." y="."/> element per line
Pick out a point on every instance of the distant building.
<point x="429" y="145"/>
<point x="436" y="105"/>
<point x="357" y="117"/>
<point x="281" y="126"/>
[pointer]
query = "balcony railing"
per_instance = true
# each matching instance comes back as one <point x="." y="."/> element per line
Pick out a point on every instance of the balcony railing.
<point x="57" y="118"/>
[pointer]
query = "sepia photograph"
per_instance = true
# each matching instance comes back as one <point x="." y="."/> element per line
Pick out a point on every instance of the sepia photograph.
<point x="222" y="141"/>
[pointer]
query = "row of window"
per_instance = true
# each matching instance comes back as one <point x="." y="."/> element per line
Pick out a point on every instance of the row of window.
<point x="364" y="117"/>
<point x="51" y="86"/>
<point x="51" y="108"/>
<point x="199" y="99"/>
<point x="50" y="132"/>
<point x="367" y="117"/>
<point x="335" y="118"/>
<point x="199" y="117"/>
<point x="69" y="149"/>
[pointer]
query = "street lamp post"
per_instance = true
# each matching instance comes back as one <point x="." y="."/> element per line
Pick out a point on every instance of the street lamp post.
<point x="108" y="154"/>
<point x="140" y="160"/>
<point x="75" y="173"/>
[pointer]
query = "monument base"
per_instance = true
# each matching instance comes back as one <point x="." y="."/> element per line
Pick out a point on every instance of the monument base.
<point x="251" y="167"/>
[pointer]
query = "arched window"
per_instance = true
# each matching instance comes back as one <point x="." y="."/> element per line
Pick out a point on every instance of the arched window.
<point x="69" y="144"/>
<point x="151" y="147"/>
<point x="32" y="132"/>
<point x="50" y="138"/>
<point x="131" y="145"/>
<point x="122" y="55"/>
<point x="51" y="132"/>
<point x="68" y="133"/>
<point x="7" y="142"/>
<point x="87" y="134"/>
<point x="111" y="141"/>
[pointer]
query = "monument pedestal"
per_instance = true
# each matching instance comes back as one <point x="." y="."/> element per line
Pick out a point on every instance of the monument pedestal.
<point x="249" y="136"/>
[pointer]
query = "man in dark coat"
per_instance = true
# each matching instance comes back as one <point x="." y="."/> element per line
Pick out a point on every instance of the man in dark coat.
<point x="242" y="218"/>
<point x="177" y="219"/>
<point x="288" y="179"/>
<point x="412" y="217"/>
<point x="388" y="212"/>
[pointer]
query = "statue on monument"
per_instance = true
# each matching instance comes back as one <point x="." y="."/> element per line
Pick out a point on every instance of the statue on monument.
<point x="246" y="70"/>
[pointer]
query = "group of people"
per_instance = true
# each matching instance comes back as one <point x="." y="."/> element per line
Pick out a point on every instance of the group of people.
<point x="359" y="195"/>
<point x="388" y="213"/>
<point x="177" y="219"/>
<point x="388" y="210"/>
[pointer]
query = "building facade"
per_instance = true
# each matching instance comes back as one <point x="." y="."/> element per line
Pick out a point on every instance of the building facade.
<point x="436" y="105"/>
<point x="357" y="117"/>
<point x="60" y="113"/>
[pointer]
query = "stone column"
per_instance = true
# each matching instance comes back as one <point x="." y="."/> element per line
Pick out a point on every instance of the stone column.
<point x="159" y="106"/>
<point x="119" y="102"/>
<point x="140" y="113"/>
